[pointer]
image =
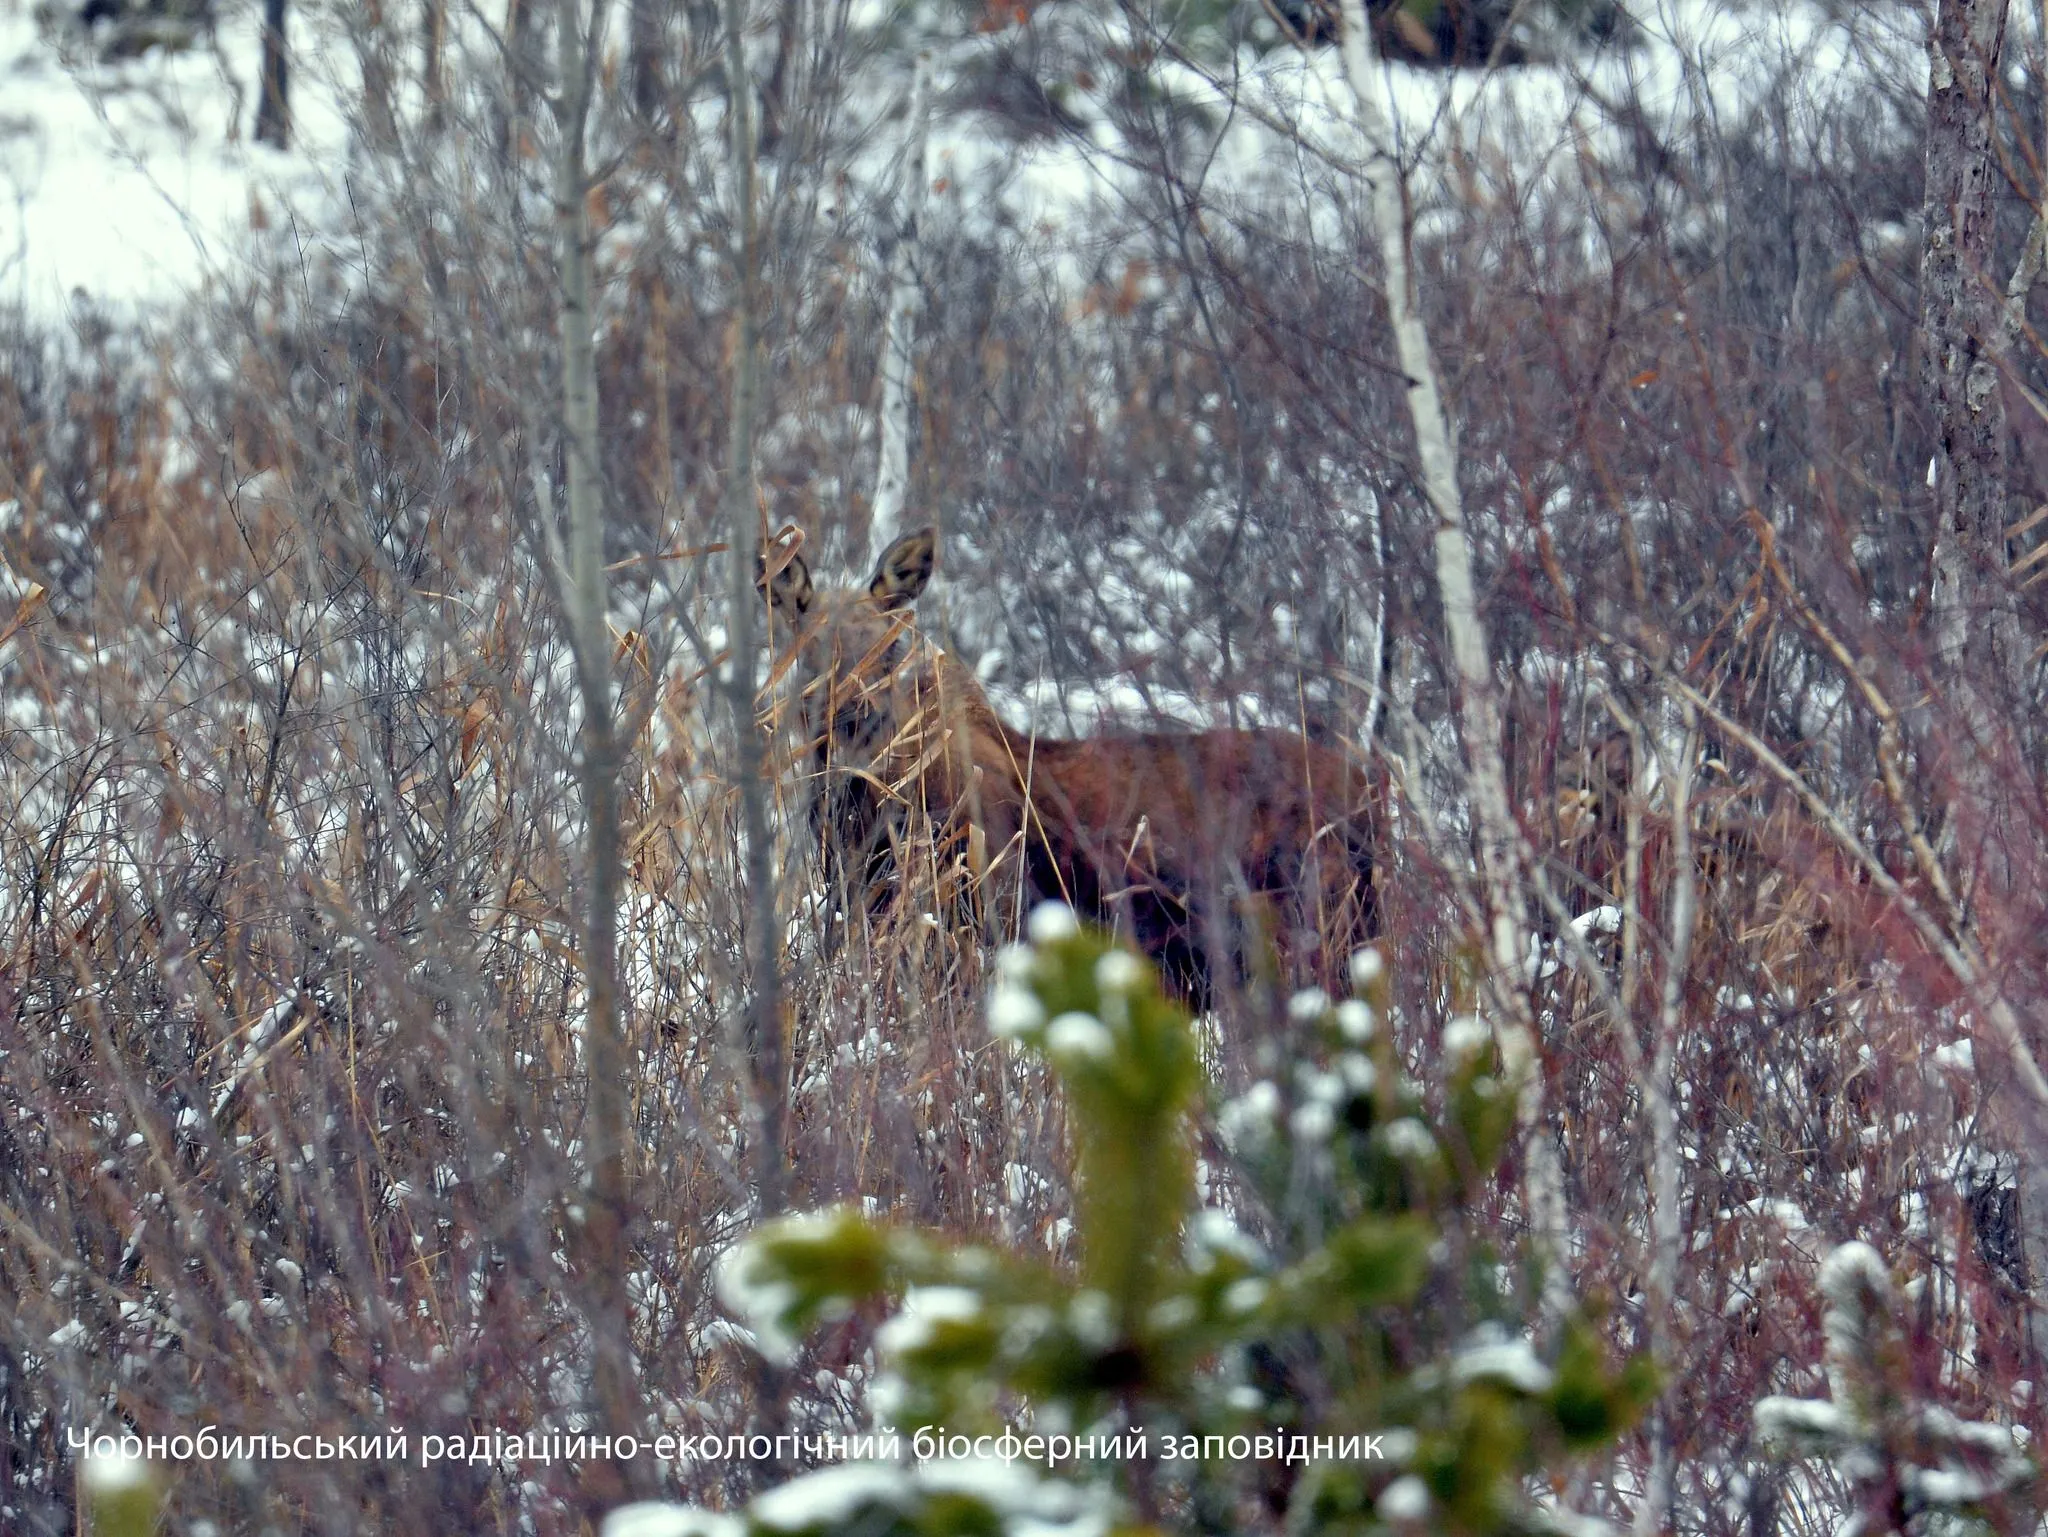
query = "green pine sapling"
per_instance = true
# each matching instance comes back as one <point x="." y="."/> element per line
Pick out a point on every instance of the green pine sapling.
<point x="1344" y="1343"/>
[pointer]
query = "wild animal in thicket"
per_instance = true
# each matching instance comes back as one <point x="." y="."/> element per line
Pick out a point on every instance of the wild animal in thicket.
<point x="1172" y="837"/>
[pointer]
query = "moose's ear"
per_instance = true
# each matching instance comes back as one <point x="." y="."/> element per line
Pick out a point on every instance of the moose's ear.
<point x="905" y="569"/>
<point x="787" y="583"/>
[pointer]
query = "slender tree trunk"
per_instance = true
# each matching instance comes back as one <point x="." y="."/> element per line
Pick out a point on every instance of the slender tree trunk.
<point x="775" y="91"/>
<point x="1653" y="1514"/>
<point x="273" y="104"/>
<point x="1370" y="661"/>
<point x="433" y="36"/>
<point x="1963" y="323"/>
<point x="380" y="101"/>
<point x="1503" y="860"/>
<point x="644" y="30"/>
<point x="761" y="1043"/>
<point x="1967" y="327"/>
<point x="520" y="72"/>
<point x="602" y="1261"/>
<point x="892" y="481"/>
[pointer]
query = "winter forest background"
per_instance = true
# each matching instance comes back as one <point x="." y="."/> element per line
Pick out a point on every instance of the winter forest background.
<point x="414" y="971"/>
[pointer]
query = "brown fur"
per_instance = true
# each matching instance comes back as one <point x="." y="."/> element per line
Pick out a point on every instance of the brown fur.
<point x="1159" y="833"/>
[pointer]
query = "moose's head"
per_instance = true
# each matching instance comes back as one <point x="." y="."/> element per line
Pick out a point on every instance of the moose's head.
<point x="849" y="642"/>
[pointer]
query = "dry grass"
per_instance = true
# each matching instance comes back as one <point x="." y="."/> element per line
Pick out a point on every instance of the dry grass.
<point x="290" y="985"/>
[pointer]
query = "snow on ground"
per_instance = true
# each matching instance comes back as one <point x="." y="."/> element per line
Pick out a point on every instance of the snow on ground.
<point x="137" y="181"/>
<point x="132" y="183"/>
<point x="1694" y="63"/>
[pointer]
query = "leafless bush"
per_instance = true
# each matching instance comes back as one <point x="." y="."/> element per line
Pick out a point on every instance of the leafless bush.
<point x="291" y="983"/>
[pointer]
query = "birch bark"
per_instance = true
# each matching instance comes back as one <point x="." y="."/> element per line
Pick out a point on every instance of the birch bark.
<point x="892" y="480"/>
<point x="1653" y="1514"/>
<point x="1503" y="858"/>
<point x="761" y="1045"/>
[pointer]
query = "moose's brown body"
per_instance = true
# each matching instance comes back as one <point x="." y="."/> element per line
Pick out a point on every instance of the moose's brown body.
<point x="1160" y="833"/>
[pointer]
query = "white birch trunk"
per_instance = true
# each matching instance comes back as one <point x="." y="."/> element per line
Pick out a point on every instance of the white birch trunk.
<point x="760" y="1044"/>
<point x="1502" y="858"/>
<point x="1373" y="665"/>
<point x="1653" y="1515"/>
<point x="892" y="480"/>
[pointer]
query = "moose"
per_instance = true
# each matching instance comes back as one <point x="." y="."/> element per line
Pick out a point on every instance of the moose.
<point x="1174" y="838"/>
